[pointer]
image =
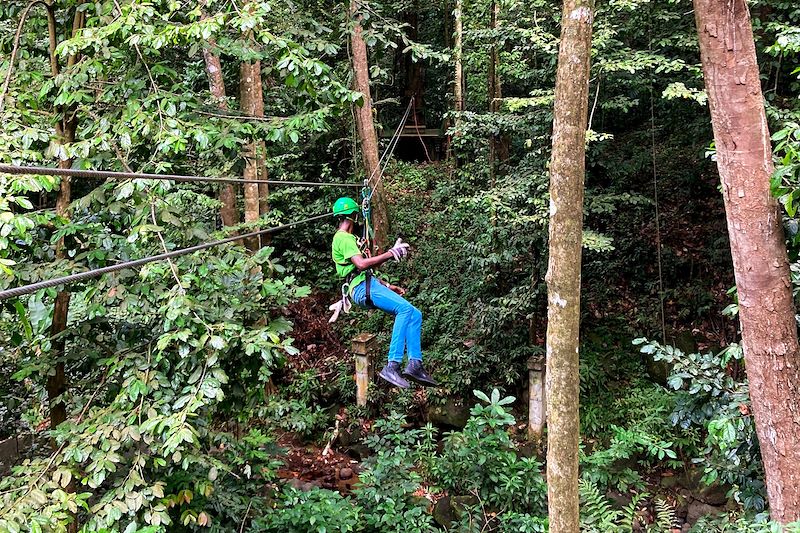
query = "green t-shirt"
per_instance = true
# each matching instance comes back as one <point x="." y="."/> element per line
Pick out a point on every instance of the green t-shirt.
<point x="344" y="247"/>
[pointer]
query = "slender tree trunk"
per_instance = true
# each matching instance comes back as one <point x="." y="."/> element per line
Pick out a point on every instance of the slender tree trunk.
<point x="492" y="81"/>
<point x="366" y="128"/>
<point x="563" y="277"/>
<point x="66" y="128"/>
<point x="498" y="147"/>
<point x="766" y="309"/>
<point x="448" y="30"/>
<point x="458" y="86"/>
<point x="458" y="77"/>
<point x="216" y="85"/>
<point x="252" y="102"/>
<point x="65" y="131"/>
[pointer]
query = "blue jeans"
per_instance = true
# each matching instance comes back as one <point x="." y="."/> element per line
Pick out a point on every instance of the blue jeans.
<point x="407" y="331"/>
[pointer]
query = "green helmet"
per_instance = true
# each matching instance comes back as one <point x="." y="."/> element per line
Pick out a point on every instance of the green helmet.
<point x="345" y="206"/>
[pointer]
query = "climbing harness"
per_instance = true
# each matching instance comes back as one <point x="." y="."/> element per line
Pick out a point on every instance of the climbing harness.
<point x="368" y="232"/>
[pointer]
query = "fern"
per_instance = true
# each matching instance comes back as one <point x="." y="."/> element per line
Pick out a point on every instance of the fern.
<point x="665" y="515"/>
<point x="598" y="515"/>
<point x="630" y="513"/>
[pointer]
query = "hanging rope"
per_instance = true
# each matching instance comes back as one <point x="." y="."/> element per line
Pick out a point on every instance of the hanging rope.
<point x="72" y="278"/>
<point x="655" y="191"/>
<point x="103" y="174"/>
<point x="387" y="154"/>
<point x="419" y="135"/>
<point x="367" y="191"/>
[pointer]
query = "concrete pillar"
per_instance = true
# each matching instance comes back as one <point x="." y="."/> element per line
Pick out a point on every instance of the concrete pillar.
<point x="537" y="414"/>
<point x="363" y="347"/>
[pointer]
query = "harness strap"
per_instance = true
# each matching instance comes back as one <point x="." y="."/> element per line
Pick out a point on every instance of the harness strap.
<point x="368" y="281"/>
<point x="369" y="275"/>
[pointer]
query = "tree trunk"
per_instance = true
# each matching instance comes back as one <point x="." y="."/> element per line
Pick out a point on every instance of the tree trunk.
<point x="458" y="78"/>
<point x="766" y="309"/>
<point x="216" y="85"/>
<point x="564" y="265"/>
<point x="252" y="101"/>
<point x="415" y="71"/>
<point x="493" y="90"/>
<point x="65" y="131"/>
<point x="66" y="128"/>
<point x="498" y="144"/>
<point x="366" y="128"/>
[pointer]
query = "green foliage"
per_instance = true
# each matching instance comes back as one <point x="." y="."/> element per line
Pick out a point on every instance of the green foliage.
<point x="709" y="399"/>
<point x="597" y="514"/>
<point x="742" y="523"/>
<point x="634" y="440"/>
<point x="319" y="510"/>
<point x="481" y="461"/>
<point x="295" y="416"/>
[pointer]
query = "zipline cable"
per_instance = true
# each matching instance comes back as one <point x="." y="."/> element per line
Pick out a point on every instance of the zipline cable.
<point x="103" y="174"/>
<point x="28" y="289"/>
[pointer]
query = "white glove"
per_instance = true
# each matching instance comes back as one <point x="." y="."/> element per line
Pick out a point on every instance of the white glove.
<point x="400" y="249"/>
<point x="340" y="305"/>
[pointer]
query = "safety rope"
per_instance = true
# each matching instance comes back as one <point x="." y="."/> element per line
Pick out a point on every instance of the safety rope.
<point x="383" y="162"/>
<point x="655" y="190"/>
<point x="391" y="147"/>
<point x="419" y="135"/>
<point x="103" y="174"/>
<point x="367" y="192"/>
<point x="28" y="289"/>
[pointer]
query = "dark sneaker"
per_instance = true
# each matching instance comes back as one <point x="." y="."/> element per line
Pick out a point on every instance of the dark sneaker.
<point x="391" y="373"/>
<point x="415" y="372"/>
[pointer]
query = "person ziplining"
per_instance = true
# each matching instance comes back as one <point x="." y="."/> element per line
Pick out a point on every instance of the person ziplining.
<point x="362" y="287"/>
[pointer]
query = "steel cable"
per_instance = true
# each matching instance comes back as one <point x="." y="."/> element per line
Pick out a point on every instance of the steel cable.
<point x="28" y="289"/>
<point x="103" y="174"/>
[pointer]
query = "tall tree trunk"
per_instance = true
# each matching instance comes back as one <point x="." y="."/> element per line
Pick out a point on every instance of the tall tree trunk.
<point x="563" y="277"/>
<point x="65" y="131"/>
<point x="66" y="128"/>
<point x="366" y="128"/>
<point x="415" y="71"/>
<point x="216" y="85"/>
<point x="252" y="101"/>
<point x="458" y="77"/>
<point x="493" y="82"/>
<point x="766" y="310"/>
<point x="498" y="144"/>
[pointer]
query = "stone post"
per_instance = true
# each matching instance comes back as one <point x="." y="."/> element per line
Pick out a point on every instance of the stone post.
<point x="363" y="346"/>
<point x="537" y="413"/>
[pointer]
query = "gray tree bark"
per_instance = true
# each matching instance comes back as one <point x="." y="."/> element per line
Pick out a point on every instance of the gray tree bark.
<point x="567" y="169"/>
<point x="761" y="267"/>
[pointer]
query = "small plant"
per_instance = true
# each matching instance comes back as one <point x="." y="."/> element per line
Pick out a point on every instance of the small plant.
<point x="710" y="400"/>
<point x="389" y="479"/>
<point x="319" y="510"/>
<point x="481" y="460"/>
<point x="598" y="516"/>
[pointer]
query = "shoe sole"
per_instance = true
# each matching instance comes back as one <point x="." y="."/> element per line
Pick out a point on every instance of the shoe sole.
<point x="392" y="382"/>
<point x="420" y="382"/>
